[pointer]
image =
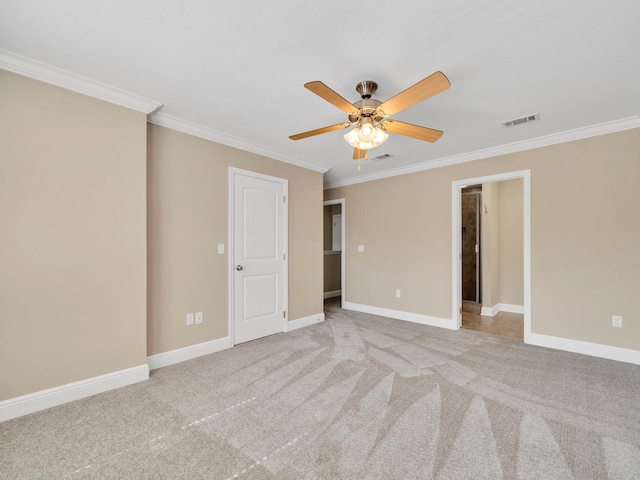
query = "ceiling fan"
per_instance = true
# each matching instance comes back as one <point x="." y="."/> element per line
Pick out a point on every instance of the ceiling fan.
<point x="371" y="117"/>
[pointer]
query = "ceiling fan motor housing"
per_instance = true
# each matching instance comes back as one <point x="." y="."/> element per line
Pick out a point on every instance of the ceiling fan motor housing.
<point x="367" y="106"/>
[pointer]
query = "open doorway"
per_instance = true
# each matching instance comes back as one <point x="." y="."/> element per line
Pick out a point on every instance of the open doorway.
<point x="470" y="240"/>
<point x="492" y="260"/>
<point x="334" y="240"/>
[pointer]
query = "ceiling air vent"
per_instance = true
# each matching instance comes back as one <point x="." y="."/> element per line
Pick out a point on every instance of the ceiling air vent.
<point x="381" y="157"/>
<point x="522" y="120"/>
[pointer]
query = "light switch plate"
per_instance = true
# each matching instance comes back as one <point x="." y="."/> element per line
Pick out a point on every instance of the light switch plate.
<point x="189" y="318"/>
<point x="220" y="248"/>
<point x="360" y="248"/>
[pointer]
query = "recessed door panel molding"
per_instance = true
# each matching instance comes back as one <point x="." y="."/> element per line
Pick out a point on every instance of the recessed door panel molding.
<point x="260" y="222"/>
<point x="260" y="299"/>
<point x="257" y="257"/>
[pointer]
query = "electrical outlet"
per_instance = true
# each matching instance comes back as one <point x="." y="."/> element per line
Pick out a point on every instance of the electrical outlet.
<point x="616" y="321"/>
<point x="398" y="293"/>
<point x="189" y="318"/>
<point x="360" y="248"/>
<point x="199" y="318"/>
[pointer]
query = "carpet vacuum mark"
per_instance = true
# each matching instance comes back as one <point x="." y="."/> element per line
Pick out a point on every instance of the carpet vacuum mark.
<point x="356" y="397"/>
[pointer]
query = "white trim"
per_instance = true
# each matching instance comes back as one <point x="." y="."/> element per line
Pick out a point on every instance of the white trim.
<point x="501" y="307"/>
<point x="489" y="311"/>
<point x="456" y="247"/>
<point x="332" y="294"/>
<point x="343" y="260"/>
<point x="178" y="355"/>
<point x="509" y="308"/>
<point x="553" y="139"/>
<point x="586" y="348"/>
<point x="400" y="315"/>
<point x="285" y="282"/>
<point x="76" y="83"/>
<point x="52" y="397"/>
<point x="184" y="126"/>
<point x="304" y="322"/>
<point x="456" y="255"/>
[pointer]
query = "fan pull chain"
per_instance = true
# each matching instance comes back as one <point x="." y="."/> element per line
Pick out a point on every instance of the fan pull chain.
<point x="366" y="157"/>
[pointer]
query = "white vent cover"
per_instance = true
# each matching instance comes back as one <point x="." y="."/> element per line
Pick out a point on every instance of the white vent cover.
<point x="521" y="121"/>
<point x="381" y="157"/>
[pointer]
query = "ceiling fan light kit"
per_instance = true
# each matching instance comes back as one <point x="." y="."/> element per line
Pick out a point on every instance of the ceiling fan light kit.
<point x="370" y="116"/>
<point x="366" y="136"/>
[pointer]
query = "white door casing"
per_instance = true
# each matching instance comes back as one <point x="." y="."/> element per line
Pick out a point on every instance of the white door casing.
<point x="456" y="248"/>
<point x="257" y="257"/>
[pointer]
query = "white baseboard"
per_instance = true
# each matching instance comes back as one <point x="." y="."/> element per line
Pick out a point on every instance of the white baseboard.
<point x="585" y="348"/>
<point x="506" y="307"/>
<point x="400" y="315"/>
<point x="165" y="359"/>
<point x="333" y="293"/>
<point x="52" y="397"/>
<point x="487" y="312"/>
<point x="304" y="322"/>
<point x="501" y="307"/>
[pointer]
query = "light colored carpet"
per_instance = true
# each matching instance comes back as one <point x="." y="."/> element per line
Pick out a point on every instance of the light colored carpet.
<point x="355" y="397"/>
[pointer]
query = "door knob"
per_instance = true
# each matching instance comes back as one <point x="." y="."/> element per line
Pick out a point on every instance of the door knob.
<point x="239" y="267"/>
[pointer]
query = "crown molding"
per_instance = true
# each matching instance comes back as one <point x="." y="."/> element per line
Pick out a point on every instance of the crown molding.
<point x="76" y="83"/>
<point x="553" y="139"/>
<point x="207" y="133"/>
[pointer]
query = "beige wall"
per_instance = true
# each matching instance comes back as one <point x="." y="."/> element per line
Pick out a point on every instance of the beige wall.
<point x="511" y="243"/>
<point x="332" y="272"/>
<point x="585" y="229"/>
<point x="73" y="242"/>
<point x="490" y="244"/>
<point x="188" y="185"/>
<point x="502" y="243"/>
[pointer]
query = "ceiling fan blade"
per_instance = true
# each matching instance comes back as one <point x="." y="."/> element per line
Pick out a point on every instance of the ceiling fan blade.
<point x="409" y="130"/>
<point x="358" y="154"/>
<point x="318" y="131"/>
<point x="430" y="86"/>
<point x="330" y="96"/>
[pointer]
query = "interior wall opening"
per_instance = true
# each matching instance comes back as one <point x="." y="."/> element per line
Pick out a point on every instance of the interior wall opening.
<point x="333" y="245"/>
<point x="492" y="257"/>
<point x="470" y="218"/>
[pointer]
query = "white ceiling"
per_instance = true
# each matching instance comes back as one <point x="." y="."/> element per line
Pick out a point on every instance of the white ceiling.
<point x="237" y="68"/>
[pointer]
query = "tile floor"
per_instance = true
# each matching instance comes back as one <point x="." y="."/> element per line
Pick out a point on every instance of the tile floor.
<point x="503" y="324"/>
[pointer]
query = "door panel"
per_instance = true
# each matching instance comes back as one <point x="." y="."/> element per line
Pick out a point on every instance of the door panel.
<point x="258" y="254"/>
<point x="259" y="296"/>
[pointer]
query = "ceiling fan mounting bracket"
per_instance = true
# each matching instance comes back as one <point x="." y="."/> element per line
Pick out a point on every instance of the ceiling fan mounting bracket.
<point x="366" y="88"/>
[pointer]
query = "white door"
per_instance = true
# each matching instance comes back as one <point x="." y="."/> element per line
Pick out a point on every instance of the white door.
<point x="258" y="251"/>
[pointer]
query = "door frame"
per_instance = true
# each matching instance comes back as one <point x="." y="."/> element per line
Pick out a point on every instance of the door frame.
<point x="343" y="284"/>
<point x="456" y="243"/>
<point x="285" y="281"/>
<point x="478" y="245"/>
